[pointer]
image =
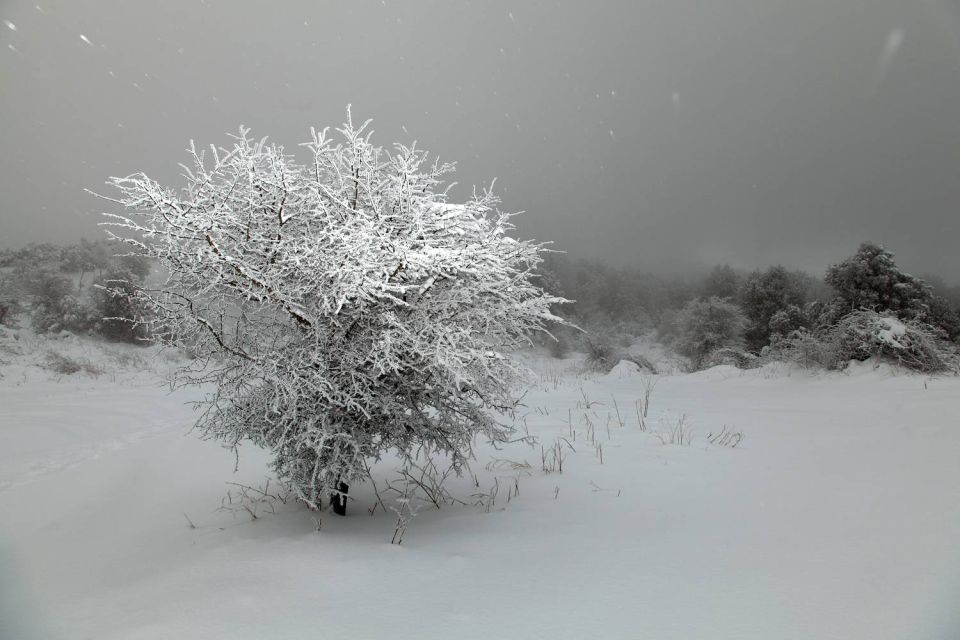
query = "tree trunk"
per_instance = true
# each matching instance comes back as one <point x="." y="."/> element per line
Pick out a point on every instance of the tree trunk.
<point x="339" y="499"/>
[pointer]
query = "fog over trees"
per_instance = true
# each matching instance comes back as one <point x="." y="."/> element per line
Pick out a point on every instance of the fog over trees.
<point x="662" y="136"/>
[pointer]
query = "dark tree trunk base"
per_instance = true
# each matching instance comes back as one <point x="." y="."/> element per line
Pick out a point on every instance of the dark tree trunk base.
<point x="339" y="500"/>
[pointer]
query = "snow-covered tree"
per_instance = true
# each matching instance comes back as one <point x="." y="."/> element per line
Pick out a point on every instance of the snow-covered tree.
<point x="705" y="325"/>
<point x="343" y="307"/>
<point x="119" y="315"/>
<point x="764" y="294"/>
<point x="870" y="279"/>
<point x="722" y="282"/>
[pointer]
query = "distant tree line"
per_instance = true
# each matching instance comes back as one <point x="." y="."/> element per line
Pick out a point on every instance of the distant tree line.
<point x="738" y="317"/>
<point x="76" y="288"/>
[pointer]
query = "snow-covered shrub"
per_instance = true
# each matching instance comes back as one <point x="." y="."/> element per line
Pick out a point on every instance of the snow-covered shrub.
<point x="68" y="365"/>
<point x="602" y="350"/>
<point x="767" y="293"/>
<point x="864" y="334"/>
<point x="805" y="348"/>
<point x="343" y="307"/>
<point x="861" y="335"/>
<point x="786" y="320"/>
<point x="641" y="361"/>
<point x="54" y="305"/>
<point x="71" y="314"/>
<point x="40" y="285"/>
<point x="84" y="257"/>
<point x="10" y="305"/>
<point x="703" y="326"/>
<point x="731" y="356"/>
<point x="941" y="314"/>
<point x="120" y="314"/>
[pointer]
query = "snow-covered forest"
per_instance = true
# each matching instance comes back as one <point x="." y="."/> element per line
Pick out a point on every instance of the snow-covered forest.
<point x="535" y="351"/>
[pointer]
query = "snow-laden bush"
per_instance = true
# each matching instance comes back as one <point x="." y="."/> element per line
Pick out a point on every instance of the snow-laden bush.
<point x="10" y="305"/>
<point x="54" y="306"/>
<point x="601" y="349"/>
<point x="68" y="365"/>
<point x="731" y="356"/>
<point x="121" y="315"/>
<point x="703" y="326"/>
<point x="772" y="301"/>
<point x="870" y="279"/>
<point x="941" y="314"/>
<point x="808" y="349"/>
<point x="343" y="307"/>
<point x="863" y="334"/>
<point x="71" y="313"/>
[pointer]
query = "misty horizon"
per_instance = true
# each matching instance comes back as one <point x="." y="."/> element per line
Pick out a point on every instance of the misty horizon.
<point x="666" y="137"/>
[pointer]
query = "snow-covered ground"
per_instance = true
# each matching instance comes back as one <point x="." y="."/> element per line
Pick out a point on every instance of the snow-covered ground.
<point x="836" y="516"/>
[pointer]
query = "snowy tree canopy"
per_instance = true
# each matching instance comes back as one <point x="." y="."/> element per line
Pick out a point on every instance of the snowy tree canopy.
<point x="705" y="325"/>
<point x="870" y="279"/>
<point x="343" y="307"/>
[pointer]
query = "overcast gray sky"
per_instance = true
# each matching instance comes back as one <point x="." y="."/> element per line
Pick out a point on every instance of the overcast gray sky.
<point x="662" y="134"/>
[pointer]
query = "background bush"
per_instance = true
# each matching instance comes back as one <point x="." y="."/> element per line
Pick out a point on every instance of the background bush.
<point x="121" y="316"/>
<point x="704" y="326"/>
<point x="864" y="334"/>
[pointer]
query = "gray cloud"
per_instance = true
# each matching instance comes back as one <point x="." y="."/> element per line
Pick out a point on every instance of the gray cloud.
<point x="662" y="133"/>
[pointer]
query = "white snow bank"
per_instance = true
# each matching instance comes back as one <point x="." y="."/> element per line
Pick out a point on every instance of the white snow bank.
<point x="626" y="369"/>
<point x="835" y="517"/>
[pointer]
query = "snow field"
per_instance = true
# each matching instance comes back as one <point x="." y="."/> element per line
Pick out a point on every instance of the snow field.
<point x="836" y="516"/>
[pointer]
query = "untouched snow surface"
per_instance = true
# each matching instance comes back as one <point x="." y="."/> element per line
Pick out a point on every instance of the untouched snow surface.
<point x="837" y="516"/>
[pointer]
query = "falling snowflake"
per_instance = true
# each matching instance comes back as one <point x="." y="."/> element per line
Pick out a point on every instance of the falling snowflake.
<point x="10" y="25"/>
<point x="890" y="49"/>
<point x="86" y="39"/>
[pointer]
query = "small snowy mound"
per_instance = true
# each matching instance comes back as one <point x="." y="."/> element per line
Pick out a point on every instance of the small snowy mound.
<point x="626" y="369"/>
<point x="718" y="372"/>
<point x="733" y="357"/>
<point x="663" y="359"/>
